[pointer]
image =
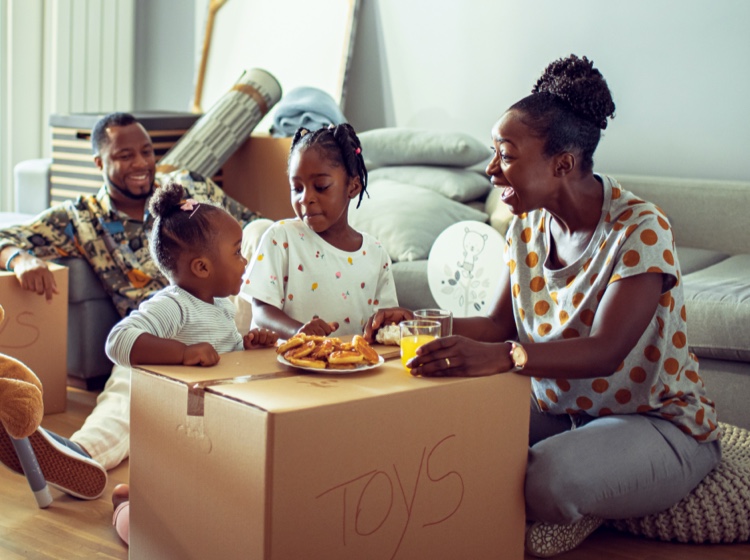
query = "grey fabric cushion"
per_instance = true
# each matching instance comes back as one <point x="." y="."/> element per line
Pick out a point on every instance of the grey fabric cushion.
<point x="728" y="385"/>
<point x="407" y="219"/>
<point x="406" y="146"/>
<point x="692" y="259"/>
<point x="458" y="184"/>
<point x="412" y="286"/>
<point x="84" y="284"/>
<point x="500" y="214"/>
<point x="718" y="309"/>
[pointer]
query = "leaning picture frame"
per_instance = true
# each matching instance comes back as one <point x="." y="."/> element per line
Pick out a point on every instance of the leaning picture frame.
<point x="301" y="43"/>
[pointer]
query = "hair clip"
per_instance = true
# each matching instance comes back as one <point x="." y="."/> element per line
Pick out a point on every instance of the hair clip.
<point x="331" y="126"/>
<point x="189" y="205"/>
<point x="358" y="151"/>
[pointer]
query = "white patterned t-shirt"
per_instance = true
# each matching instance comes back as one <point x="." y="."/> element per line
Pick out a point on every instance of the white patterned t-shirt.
<point x="297" y="271"/>
<point x="660" y="375"/>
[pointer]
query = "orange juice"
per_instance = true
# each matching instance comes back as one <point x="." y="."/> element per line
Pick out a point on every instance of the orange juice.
<point x="410" y="343"/>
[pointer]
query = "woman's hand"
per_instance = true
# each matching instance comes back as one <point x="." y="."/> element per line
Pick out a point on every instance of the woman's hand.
<point x="256" y="338"/>
<point x="458" y="356"/>
<point x="385" y="317"/>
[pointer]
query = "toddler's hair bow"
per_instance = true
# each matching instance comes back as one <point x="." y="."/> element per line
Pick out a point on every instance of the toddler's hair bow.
<point x="189" y="205"/>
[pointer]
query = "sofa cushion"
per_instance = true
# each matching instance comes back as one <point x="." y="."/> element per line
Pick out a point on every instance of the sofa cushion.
<point x="717" y="299"/>
<point x="412" y="286"/>
<point x="458" y="184"/>
<point x="500" y="214"/>
<point x="407" y="219"/>
<point x="706" y="213"/>
<point x="692" y="259"/>
<point x="87" y="285"/>
<point x="406" y="146"/>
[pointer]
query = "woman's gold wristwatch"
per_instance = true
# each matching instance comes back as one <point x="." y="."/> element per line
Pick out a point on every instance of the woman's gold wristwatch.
<point x="518" y="355"/>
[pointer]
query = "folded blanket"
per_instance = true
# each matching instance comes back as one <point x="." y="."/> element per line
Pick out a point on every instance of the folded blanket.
<point x="305" y="106"/>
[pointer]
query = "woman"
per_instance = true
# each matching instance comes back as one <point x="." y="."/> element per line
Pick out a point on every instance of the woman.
<point x="590" y="306"/>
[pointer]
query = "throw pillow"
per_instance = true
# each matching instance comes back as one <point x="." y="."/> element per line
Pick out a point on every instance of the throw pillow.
<point x="406" y="146"/>
<point x="407" y="219"/>
<point x="717" y="300"/>
<point x="500" y="215"/>
<point x="458" y="184"/>
<point x="716" y="511"/>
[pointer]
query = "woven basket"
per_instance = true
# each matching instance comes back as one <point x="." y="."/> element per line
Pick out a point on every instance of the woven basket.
<point x="716" y="511"/>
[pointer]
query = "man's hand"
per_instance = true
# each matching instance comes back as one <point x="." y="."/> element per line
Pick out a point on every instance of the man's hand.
<point x="201" y="354"/>
<point x="34" y="275"/>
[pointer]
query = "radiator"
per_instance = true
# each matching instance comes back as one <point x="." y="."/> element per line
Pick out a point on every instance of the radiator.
<point x="92" y="51"/>
<point x="91" y="56"/>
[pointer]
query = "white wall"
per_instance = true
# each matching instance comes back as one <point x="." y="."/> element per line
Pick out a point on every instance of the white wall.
<point x="164" y="56"/>
<point x="679" y="71"/>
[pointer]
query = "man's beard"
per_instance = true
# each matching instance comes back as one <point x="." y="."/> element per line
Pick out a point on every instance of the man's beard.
<point x="128" y="194"/>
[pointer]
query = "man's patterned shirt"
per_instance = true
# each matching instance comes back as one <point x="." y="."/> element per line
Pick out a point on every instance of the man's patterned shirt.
<point x="116" y="246"/>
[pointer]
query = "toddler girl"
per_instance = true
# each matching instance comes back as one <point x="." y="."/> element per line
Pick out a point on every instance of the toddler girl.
<point x="316" y="274"/>
<point x="191" y="321"/>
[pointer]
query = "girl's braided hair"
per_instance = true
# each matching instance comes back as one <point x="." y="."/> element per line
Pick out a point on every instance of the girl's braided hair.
<point x="180" y="226"/>
<point x="569" y="107"/>
<point x="340" y="145"/>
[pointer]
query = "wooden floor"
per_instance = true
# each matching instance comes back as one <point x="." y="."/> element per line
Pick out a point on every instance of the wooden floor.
<point x="73" y="529"/>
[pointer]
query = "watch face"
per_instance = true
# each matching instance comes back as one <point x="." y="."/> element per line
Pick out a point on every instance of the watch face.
<point x="519" y="355"/>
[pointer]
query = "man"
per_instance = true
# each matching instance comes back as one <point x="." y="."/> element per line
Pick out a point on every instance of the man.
<point x="110" y="230"/>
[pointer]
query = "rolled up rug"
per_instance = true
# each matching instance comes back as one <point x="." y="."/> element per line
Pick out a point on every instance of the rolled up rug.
<point x="227" y="124"/>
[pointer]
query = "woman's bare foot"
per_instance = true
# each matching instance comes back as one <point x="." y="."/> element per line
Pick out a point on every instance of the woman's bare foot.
<point x="120" y="494"/>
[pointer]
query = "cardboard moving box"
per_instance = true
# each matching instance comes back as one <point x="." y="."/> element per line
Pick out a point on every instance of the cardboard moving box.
<point x="256" y="176"/>
<point x="280" y="464"/>
<point x="35" y="332"/>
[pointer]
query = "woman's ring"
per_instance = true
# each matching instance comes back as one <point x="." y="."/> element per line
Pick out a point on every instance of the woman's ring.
<point x="447" y="362"/>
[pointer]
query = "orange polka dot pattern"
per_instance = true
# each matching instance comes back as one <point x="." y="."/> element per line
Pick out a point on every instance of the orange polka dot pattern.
<point x="660" y="375"/>
<point x="303" y="275"/>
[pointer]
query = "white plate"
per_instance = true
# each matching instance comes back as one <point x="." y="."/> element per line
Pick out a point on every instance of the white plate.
<point x="357" y="369"/>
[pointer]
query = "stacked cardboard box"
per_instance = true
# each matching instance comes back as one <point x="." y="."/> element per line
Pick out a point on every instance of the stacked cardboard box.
<point x="35" y="332"/>
<point x="256" y="176"/>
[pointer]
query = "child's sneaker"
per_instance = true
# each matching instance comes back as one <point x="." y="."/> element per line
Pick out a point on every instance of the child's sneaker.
<point x="544" y="540"/>
<point x="63" y="463"/>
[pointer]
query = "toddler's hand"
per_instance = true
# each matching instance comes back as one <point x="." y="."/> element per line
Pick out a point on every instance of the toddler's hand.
<point x="201" y="354"/>
<point x="318" y="327"/>
<point x="256" y="338"/>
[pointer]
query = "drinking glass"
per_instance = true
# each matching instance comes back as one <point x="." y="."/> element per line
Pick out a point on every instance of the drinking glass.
<point x="442" y="316"/>
<point x="414" y="334"/>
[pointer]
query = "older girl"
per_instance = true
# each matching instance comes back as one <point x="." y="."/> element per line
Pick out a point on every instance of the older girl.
<point x="316" y="274"/>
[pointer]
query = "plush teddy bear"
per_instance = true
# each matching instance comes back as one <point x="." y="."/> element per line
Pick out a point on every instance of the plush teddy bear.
<point x="21" y="406"/>
<point x="21" y="412"/>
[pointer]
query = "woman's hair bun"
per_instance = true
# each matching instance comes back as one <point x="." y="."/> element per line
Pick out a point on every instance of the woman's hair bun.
<point x="578" y="83"/>
<point x="166" y="199"/>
